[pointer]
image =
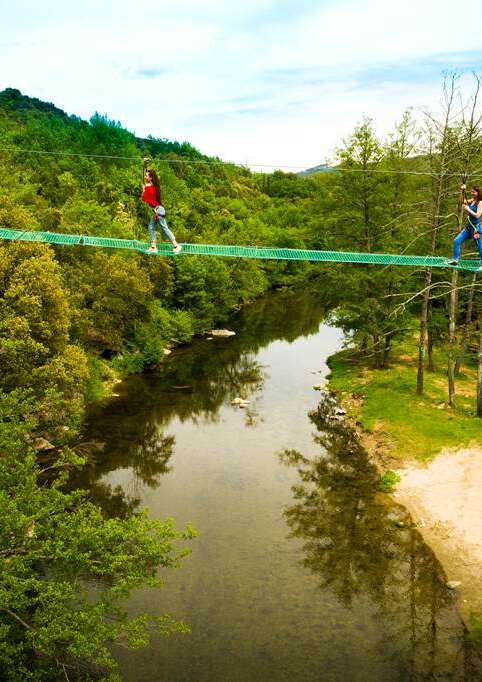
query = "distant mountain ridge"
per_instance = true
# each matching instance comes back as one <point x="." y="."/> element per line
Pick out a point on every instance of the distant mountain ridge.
<point x="322" y="168"/>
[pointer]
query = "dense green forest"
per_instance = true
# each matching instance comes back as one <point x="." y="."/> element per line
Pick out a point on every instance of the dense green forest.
<point x="73" y="320"/>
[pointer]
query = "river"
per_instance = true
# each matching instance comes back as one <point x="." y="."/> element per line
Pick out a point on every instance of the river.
<point x="301" y="569"/>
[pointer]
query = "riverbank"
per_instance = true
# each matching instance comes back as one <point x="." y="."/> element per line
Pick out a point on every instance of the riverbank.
<point x="435" y="450"/>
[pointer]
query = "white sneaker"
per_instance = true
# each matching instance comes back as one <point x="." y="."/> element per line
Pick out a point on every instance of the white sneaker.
<point x="479" y="269"/>
<point x="152" y="249"/>
<point x="453" y="261"/>
<point x="177" y="249"/>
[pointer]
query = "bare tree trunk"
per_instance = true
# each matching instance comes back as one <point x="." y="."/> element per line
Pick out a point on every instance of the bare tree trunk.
<point x="386" y="350"/>
<point x="366" y="218"/>
<point x="452" y="349"/>
<point x="376" y="352"/>
<point x="428" y="281"/>
<point x="431" y="364"/>
<point x="439" y="190"/>
<point x="423" y="324"/>
<point x="466" y="327"/>
<point x="469" y="144"/>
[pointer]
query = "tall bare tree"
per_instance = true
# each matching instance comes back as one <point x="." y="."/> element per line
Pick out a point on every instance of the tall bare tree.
<point x="466" y="327"/>
<point x="469" y="143"/>
<point x="439" y="152"/>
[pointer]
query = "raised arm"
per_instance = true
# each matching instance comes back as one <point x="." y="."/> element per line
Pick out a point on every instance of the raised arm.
<point x="477" y="213"/>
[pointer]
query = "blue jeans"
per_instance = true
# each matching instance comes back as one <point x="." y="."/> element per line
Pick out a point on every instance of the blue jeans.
<point x="461" y="238"/>
<point x="163" y="224"/>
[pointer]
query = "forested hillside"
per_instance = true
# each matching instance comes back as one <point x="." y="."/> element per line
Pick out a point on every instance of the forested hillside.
<point x="73" y="319"/>
<point x="70" y="322"/>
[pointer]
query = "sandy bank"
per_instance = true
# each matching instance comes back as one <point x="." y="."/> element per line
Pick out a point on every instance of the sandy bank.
<point x="445" y="500"/>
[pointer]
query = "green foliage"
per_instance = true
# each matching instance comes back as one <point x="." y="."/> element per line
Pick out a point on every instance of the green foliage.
<point x="205" y="288"/>
<point x="15" y="216"/>
<point x="112" y="297"/>
<point x="67" y="316"/>
<point x="388" y="481"/>
<point x="163" y="328"/>
<point x="86" y="217"/>
<point x="57" y="551"/>
<point x="32" y="292"/>
<point x="130" y="362"/>
<point x="34" y="335"/>
<point x="99" y="374"/>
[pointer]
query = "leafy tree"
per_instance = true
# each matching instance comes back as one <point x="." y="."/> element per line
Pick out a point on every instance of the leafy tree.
<point x="65" y="570"/>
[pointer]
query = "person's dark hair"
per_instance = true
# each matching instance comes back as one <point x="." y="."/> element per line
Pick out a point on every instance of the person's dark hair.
<point x="477" y="189"/>
<point x="156" y="184"/>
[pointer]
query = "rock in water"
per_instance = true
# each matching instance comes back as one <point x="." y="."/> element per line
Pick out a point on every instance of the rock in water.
<point x="242" y="402"/>
<point x="222" y="332"/>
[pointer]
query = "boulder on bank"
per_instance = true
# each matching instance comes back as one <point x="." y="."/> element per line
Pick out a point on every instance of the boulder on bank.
<point x="42" y="444"/>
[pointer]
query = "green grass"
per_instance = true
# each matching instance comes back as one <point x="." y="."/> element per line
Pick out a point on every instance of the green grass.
<point x="411" y="426"/>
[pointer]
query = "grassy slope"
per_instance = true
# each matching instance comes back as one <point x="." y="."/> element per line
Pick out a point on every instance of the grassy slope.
<point x="385" y="402"/>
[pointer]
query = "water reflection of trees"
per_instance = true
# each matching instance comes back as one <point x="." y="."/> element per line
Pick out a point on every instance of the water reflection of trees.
<point x="145" y="451"/>
<point x="361" y="545"/>
<point x="192" y="385"/>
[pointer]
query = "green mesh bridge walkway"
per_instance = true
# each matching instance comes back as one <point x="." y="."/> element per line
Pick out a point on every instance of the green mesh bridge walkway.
<point x="235" y="251"/>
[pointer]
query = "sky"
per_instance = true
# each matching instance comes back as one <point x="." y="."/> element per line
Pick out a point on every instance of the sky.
<point x="272" y="82"/>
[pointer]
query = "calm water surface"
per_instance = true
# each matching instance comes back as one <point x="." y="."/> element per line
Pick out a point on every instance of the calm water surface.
<point x="301" y="570"/>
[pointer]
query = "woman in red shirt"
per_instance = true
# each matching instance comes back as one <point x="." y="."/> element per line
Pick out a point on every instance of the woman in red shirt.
<point x="151" y="194"/>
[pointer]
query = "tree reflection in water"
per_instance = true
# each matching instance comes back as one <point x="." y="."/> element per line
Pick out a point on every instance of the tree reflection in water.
<point x="192" y="385"/>
<point x="147" y="457"/>
<point x="389" y="587"/>
<point x="361" y="545"/>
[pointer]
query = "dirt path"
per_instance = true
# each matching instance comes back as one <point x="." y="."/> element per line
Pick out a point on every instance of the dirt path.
<point x="445" y="500"/>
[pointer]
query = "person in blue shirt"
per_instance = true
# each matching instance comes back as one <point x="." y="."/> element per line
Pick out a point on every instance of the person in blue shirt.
<point x="472" y="228"/>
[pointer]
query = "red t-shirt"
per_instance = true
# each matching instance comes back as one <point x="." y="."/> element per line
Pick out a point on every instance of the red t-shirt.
<point x="149" y="195"/>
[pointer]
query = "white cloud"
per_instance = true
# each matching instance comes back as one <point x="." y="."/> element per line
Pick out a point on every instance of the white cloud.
<point x="273" y="81"/>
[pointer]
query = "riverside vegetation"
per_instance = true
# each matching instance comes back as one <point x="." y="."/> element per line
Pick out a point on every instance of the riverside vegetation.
<point x="73" y="320"/>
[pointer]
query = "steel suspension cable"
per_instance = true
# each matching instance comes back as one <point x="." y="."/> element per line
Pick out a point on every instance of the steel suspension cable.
<point x="139" y="159"/>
